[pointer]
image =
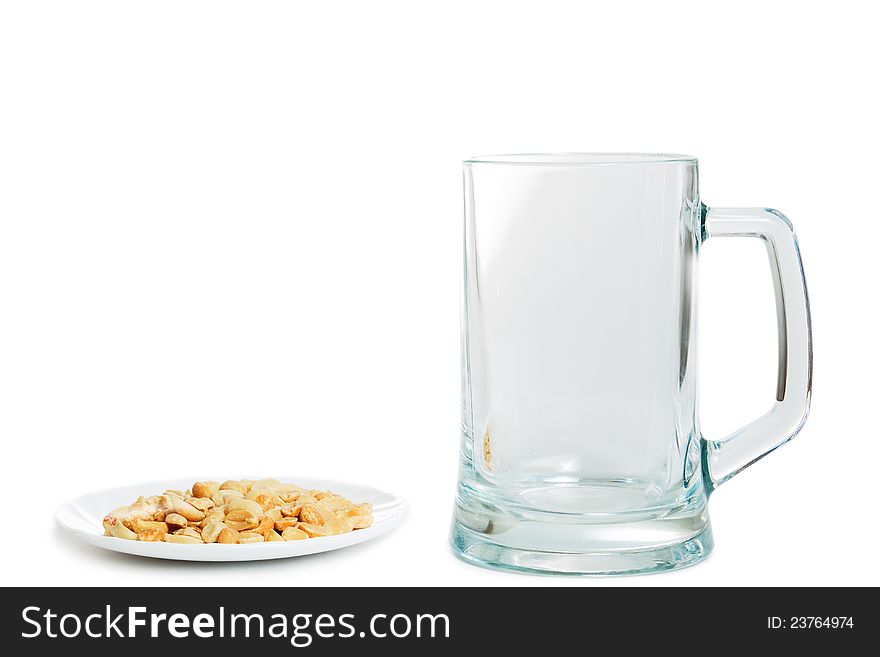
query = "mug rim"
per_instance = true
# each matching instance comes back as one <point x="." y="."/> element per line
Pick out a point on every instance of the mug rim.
<point x="581" y="159"/>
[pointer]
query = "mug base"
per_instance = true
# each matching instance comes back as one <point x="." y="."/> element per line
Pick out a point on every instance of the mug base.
<point x="479" y="549"/>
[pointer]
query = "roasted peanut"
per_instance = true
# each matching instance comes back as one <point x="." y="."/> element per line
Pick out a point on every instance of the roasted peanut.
<point x="149" y="530"/>
<point x="364" y="509"/>
<point x="115" y="516"/>
<point x="119" y="530"/>
<point x="243" y="504"/>
<point x="164" y="506"/>
<point x="312" y="530"/>
<point x="310" y="514"/>
<point x="266" y="525"/>
<point x="182" y="538"/>
<point x="203" y="504"/>
<point x="338" y="526"/>
<point x="293" y="534"/>
<point x="272" y="536"/>
<point x="218" y="513"/>
<point x="234" y="485"/>
<point x="175" y="521"/>
<point x="266" y="500"/>
<point x="241" y="520"/>
<point x="291" y="510"/>
<point x="140" y="510"/>
<point x="250" y="537"/>
<point x="187" y="510"/>
<point x="361" y="522"/>
<point x="329" y="506"/>
<point x="211" y="531"/>
<point x="284" y="523"/>
<point x="225" y="495"/>
<point x="205" y="488"/>
<point x="189" y="531"/>
<point x="361" y="515"/>
<point x="227" y="535"/>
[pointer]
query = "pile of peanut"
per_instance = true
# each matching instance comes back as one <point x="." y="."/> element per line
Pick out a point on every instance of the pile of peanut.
<point x="242" y="511"/>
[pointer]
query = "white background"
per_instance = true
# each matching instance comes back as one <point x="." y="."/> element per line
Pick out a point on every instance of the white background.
<point x="231" y="243"/>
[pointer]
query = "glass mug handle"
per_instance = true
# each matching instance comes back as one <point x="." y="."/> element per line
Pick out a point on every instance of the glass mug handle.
<point x="724" y="458"/>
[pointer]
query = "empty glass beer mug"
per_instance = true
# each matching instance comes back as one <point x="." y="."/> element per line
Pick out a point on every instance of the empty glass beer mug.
<point x="581" y="451"/>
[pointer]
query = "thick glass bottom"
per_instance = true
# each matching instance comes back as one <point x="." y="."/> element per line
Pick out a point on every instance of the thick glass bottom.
<point x="477" y="549"/>
<point x="621" y="542"/>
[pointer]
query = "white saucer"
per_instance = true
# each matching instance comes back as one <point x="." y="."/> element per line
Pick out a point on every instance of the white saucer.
<point x="82" y="517"/>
